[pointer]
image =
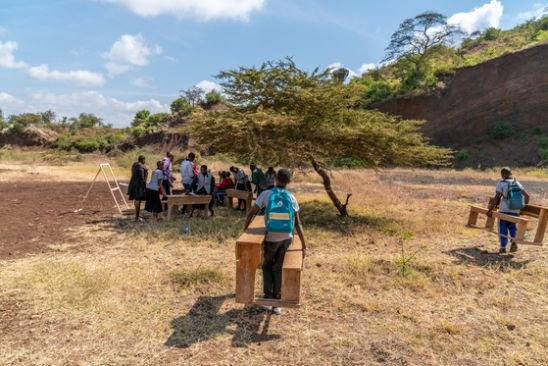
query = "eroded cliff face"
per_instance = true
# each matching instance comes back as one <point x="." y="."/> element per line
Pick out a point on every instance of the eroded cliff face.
<point x="508" y="93"/>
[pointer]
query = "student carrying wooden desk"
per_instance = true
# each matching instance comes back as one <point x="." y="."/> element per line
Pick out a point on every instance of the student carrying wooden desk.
<point x="281" y="218"/>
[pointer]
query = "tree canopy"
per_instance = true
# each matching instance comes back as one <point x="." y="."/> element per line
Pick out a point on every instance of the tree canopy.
<point x="420" y="34"/>
<point x="282" y="115"/>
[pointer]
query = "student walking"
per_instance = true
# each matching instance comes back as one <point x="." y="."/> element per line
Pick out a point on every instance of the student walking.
<point x="281" y="219"/>
<point x="154" y="190"/>
<point x="512" y="197"/>
<point x="138" y="184"/>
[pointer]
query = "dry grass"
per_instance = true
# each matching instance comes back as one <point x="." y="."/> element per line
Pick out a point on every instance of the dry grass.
<point x="148" y="294"/>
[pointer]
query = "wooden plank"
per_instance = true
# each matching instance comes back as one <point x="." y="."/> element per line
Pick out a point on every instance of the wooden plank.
<point x="541" y="227"/>
<point x="498" y="215"/>
<point x="255" y="232"/>
<point x="275" y="302"/>
<point x="291" y="285"/>
<point x="472" y="217"/>
<point x="243" y="195"/>
<point x="246" y="265"/>
<point x="188" y="199"/>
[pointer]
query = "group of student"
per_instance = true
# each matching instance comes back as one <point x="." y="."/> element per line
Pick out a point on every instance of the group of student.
<point x="279" y="206"/>
<point x="194" y="181"/>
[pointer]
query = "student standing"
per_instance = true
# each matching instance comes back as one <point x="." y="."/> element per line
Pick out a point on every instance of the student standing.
<point x="512" y="197"/>
<point x="167" y="170"/>
<point x="270" y="178"/>
<point x="154" y="190"/>
<point x="241" y="181"/>
<point x="257" y="178"/>
<point x="137" y="184"/>
<point x="281" y="218"/>
<point x="187" y="171"/>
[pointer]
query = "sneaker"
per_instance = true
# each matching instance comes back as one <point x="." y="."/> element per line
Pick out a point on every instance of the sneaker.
<point x="277" y="311"/>
<point x="514" y="247"/>
<point x="502" y="251"/>
<point x="266" y="307"/>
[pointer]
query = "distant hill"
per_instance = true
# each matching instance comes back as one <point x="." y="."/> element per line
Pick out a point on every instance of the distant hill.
<point x="493" y="113"/>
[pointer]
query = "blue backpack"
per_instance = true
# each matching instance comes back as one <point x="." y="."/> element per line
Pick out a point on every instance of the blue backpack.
<point x="514" y="198"/>
<point x="279" y="215"/>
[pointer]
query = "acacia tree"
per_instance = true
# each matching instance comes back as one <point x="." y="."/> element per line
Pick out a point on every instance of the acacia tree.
<point x="420" y="34"/>
<point x="281" y="115"/>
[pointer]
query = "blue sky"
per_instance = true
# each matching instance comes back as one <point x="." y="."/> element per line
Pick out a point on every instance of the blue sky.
<point x="114" y="57"/>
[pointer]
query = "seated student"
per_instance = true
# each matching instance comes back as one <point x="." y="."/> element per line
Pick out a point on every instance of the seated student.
<point x="220" y="188"/>
<point x="241" y="181"/>
<point x="270" y="178"/>
<point x="204" y="184"/>
<point x="282" y="216"/>
<point x="512" y="197"/>
<point x="153" y="202"/>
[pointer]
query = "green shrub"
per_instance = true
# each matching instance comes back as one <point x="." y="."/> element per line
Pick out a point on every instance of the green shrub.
<point x="213" y="97"/>
<point x="501" y="130"/>
<point x="90" y="144"/>
<point x="181" y="106"/>
<point x="491" y="34"/>
<point x="462" y="155"/>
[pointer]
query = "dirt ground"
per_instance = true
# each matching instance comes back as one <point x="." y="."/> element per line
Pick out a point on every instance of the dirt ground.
<point x="37" y="215"/>
<point x="94" y="288"/>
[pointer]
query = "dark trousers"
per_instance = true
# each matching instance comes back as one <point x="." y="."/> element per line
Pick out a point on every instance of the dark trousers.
<point x="505" y="228"/>
<point x="167" y="186"/>
<point x="273" y="261"/>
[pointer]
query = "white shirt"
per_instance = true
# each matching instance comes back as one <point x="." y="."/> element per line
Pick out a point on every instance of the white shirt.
<point x="204" y="181"/>
<point x="187" y="171"/>
<point x="262" y="202"/>
<point x="502" y="187"/>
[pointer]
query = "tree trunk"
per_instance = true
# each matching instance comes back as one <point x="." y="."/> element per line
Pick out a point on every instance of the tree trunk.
<point x="327" y="185"/>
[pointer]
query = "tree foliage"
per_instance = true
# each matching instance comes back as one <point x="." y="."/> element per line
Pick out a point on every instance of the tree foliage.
<point x="181" y="106"/>
<point x="282" y="115"/>
<point x="194" y="95"/>
<point x="420" y="34"/>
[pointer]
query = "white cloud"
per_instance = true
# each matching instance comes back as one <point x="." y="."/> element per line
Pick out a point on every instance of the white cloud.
<point x="9" y="99"/>
<point x="80" y="77"/>
<point x="7" y="58"/>
<point x="140" y="83"/>
<point x="200" y="9"/>
<point x="483" y="17"/>
<point x="366" y="67"/>
<point x="119" y="113"/>
<point x="127" y="52"/>
<point x="208" y="86"/>
<point x="536" y="12"/>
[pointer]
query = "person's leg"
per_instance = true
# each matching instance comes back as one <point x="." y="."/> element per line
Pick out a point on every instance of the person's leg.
<point x="503" y="231"/>
<point x="211" y="203"/>
<point x="513" y="229"/>
<point x="278" y="265"/>
<point x="137" y="204"/>
<point x="269" y="253"/>
<point x="167" y="186"/>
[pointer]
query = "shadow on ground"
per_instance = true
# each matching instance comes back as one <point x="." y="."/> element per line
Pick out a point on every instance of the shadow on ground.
<point x="483" y="258"/>
<point x="203" y="321"/>
<point x="323" y="215"/>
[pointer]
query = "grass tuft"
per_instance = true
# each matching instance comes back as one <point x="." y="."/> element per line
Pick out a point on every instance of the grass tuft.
<point x="194" y="277"/>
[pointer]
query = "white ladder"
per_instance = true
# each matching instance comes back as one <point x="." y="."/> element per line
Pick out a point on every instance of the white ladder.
<point x="113" y="188"/>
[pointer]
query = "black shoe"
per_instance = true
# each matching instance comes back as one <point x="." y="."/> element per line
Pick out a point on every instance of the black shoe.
<point x="502" y="251"/>
<point x="514" y="247"/>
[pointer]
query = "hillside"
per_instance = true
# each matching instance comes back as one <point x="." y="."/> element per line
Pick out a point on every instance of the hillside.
<point x="492" y="113"/>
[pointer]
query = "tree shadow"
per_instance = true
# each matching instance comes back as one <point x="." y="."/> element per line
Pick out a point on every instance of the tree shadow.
<point x="203" y="321"/>
<point x="483" y="258"/>
<point x="323" y="215"/>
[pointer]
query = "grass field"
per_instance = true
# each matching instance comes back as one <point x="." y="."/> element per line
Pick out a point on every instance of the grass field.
<point x="121" y="293"/>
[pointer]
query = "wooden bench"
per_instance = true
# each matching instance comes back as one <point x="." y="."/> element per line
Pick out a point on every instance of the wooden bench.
<point x="243" y="195"/>
<point x="249" y="255"/>
<point x="537" y="212"/>
<point x="176" y="200"/>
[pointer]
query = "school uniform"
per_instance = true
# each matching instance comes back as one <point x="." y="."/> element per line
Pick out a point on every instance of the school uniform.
<point x="153" y="201"/>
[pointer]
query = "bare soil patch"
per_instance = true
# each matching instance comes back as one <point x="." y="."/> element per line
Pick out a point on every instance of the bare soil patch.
<point x="36" y="214"/>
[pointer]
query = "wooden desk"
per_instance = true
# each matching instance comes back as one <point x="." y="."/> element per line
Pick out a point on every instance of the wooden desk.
<point x="249" y="254"/>
<point x="183" y="199"/>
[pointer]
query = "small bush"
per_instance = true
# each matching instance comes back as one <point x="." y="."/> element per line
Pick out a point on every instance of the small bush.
<point x="501" y="130"/>
<point x="462" y="155"/>
<point x="199" y="276"/>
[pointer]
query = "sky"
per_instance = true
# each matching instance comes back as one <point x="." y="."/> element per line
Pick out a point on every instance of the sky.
<point x="115" y="57"/>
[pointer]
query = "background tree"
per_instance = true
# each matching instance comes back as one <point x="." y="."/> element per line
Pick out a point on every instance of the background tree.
<point x="281" y="115"/>
<point x="181" y="106"/>
<point x="340" y="74"/>
<point x="194" y="95"/>
<point x="213" y="97"/>
<point x="420" y="34"/>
